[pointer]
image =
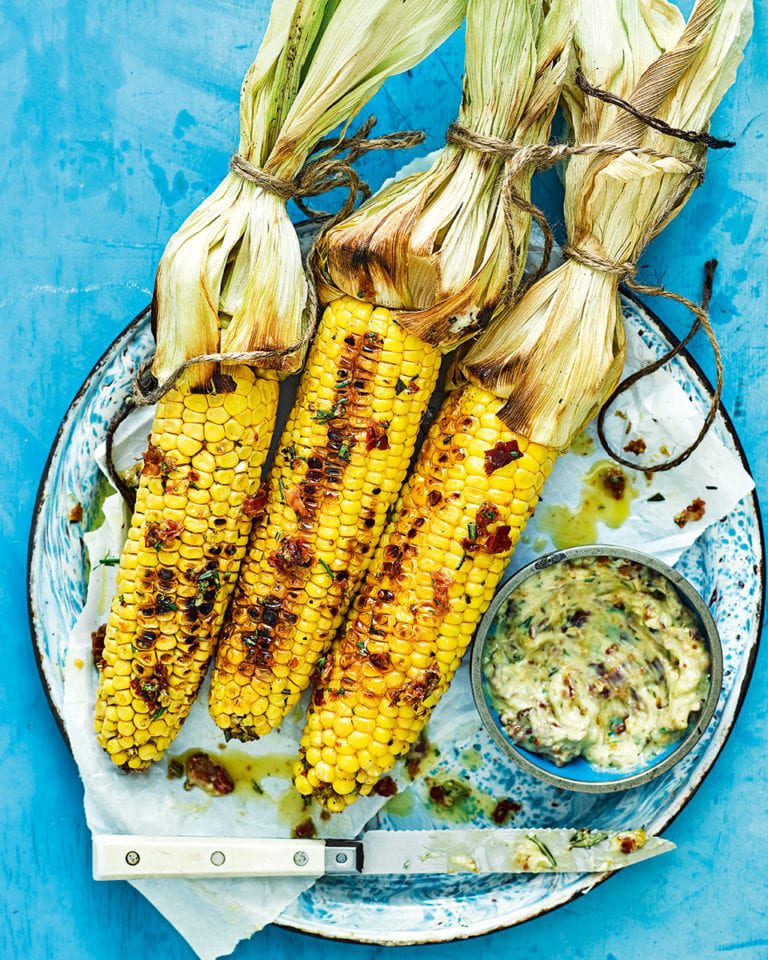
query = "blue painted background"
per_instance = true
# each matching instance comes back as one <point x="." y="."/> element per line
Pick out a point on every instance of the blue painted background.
<point x="117" y="118"/>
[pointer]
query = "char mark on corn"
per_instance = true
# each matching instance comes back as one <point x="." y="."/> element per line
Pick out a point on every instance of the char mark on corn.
<point x="436" y="569"/>
<point x="197" y="496"/>
<point x="339" y="468"/>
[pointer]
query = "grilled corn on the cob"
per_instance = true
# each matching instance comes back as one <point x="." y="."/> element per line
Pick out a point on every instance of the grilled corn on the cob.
<point x="341" y="462"/>
<point x="194" y="510"/>
<point x="435" y="571"/>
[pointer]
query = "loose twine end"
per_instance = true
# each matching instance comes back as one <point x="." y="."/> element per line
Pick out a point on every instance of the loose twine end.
<point x="701" y="319"/>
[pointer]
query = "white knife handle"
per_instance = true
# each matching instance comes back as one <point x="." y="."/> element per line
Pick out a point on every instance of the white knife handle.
<point x="133" y="857"/>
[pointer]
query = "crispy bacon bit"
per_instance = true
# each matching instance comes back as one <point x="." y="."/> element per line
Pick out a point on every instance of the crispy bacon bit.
<point x="157" y="535"/>
<point x="304" y="830"/>
<point x="292" y="552"/>
<point x="381" y="661"/>
<point x="210" y="776"/>
<point x="296" y="502"/>
<point x="151" y="689"/>
<point x="376" y="437"/>
<point x="636" y="446"/>
<point x="499" y="456"/>
<point x="193" y="476"/>
<point x="254" y="506"/>
<point x="498" y="541"/>
<point x="628" y="844"/>
<point x="153" y="457"/>
<point x="486" y="515"/>
<point x="75" y="515"/>
<point x="441" y="581"/>
<point x="97" y="646"/>
<point x="693" y="512"/>
<point x="386" y="787"/>
<point x="504" y="810"/>
<point x="416" y="691"/>
<point x="615" y="483"/>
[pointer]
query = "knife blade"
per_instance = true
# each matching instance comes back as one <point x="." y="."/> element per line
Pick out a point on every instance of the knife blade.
<point x="118" y="857"/>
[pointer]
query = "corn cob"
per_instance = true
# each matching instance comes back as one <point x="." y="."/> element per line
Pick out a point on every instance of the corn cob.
<point x="341" y="462"/>
<point x="194" y="510"/>
<point x="435" y="571"/>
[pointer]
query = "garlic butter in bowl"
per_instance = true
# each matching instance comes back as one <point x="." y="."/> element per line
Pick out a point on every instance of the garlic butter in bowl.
<point x="597" y="668"/>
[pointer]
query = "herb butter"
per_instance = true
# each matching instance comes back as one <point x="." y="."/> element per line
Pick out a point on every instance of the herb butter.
<point x="599" y="658"/>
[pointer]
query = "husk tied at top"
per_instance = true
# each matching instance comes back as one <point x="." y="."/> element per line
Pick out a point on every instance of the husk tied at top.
<point x="435" y="245"/>
<point x="557" y="354"/>
<point x="231" y="279"/>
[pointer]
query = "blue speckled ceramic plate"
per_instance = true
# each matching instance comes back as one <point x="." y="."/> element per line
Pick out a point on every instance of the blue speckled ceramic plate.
<point x="725" y="564"/>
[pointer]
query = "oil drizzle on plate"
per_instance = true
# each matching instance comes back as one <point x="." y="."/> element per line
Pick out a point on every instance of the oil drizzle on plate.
<point x="582" y="445"/>
<point x="454" y="799"/>
<point x="606" y="497"/>
<point x="250" y="774"/>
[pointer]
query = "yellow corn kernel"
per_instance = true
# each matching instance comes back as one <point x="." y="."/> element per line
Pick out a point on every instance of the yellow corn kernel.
<point x="155" y="653"/>
<point x="391" y="680"/>
<point x="341" y="462"/>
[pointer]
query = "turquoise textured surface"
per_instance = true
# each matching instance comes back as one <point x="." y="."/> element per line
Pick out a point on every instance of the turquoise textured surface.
<point x="118" y="119"/>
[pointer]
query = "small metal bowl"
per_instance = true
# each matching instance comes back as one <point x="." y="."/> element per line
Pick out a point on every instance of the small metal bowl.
<point x="579" y="774"/>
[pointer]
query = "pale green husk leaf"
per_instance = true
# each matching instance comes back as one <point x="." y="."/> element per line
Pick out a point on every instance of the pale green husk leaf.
<point x="558" y="353"/>
<point x="231" y="278"/>
<point x="435" y="244"/>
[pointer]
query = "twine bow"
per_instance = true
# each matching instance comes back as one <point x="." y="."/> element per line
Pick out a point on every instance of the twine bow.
<point x="330" y="167"/>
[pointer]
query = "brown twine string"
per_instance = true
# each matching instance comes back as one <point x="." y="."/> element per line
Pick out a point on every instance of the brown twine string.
<point x="329" y="168"/>
<point x="691" y="136"/>
<point x="518" y="157"/>
<point x="700" y="312"/>
<point x="542" y="156"/>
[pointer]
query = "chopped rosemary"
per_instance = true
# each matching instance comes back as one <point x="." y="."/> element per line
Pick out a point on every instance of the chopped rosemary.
<point x="587" y="838"/>
<point x="323" y="416"/>
<point x="543" y="848"/>
<point x="327" y="569"/>
<point x="108" y="562"/>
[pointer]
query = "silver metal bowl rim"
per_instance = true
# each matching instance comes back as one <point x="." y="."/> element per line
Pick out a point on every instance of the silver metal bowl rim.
<point x="686" y="743"/>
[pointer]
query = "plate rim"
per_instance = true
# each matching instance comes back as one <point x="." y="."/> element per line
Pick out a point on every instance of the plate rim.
<point x="492" y="925"/>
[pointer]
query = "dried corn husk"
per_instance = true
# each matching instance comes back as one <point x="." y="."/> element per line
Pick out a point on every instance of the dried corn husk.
<point x="435" y="244"/>
<point x="231" y="278"/>
<point x="558" y="353"/>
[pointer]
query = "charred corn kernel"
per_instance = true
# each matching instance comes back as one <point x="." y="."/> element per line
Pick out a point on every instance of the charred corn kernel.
<point x="179" y="565"/>
<point x="337" y="473"/>
<point x="390" y="678"/>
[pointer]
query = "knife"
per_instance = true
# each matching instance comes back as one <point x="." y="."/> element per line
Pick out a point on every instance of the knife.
<point x="378" y="852"/>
